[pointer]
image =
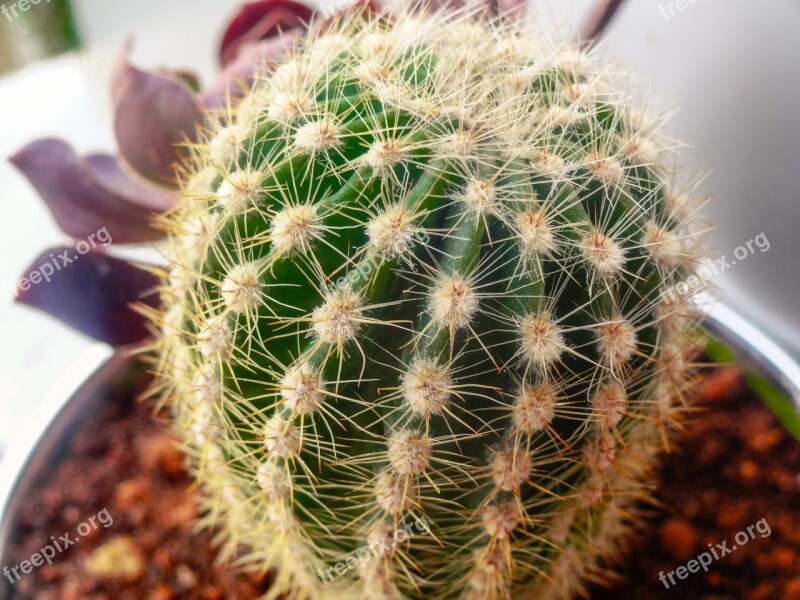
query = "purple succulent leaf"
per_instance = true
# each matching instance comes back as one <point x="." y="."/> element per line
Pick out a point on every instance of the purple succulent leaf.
<point x="597" y="21"/>
<point x="155" y="114"/>
<point x="91" y="292"/>
<point x="436" y="5"/>
<point x="112" y="176"/>
<point x="237" y="76"/>
<point x="260" y="20"/>
<point x="514" y="8"/>
<point x="88" y="195"/>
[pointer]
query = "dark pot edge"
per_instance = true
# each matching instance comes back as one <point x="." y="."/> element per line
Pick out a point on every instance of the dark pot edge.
<point x="85" y="383"/>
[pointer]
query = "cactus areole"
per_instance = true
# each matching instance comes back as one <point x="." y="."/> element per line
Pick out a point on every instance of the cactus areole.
<point x="415" y="339"/>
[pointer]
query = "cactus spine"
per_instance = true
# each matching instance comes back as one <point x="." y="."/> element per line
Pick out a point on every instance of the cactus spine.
<point x="414" y="339"/>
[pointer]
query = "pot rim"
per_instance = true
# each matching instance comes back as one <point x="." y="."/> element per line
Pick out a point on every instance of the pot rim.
<point x="753" y="348"/>
<point x="41" y="432"/>
<point x="85" y="381"/>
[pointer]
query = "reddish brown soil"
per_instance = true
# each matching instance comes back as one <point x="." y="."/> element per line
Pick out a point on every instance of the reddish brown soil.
<point x="736" y="467"/>
<point x="123" y="460"/>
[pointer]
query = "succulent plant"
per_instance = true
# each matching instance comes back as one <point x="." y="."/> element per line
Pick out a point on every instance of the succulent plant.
<point x="413" y="333"/>
<point x="155" y="114"/>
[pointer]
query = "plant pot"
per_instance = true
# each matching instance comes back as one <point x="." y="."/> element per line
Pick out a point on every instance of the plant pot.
<point x="65" y="412"/>
<point x="95" y="439"/>
<point x="756" y="351"/>
<point x="86" y="384"/>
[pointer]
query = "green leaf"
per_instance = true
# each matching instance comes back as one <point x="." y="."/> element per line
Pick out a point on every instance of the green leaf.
<point x="720" y="353"/>
<point x="780" y="404"/>
<point x="773" y="397"/>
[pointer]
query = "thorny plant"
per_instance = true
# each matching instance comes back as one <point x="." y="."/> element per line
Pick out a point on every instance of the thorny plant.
<point x="509" y="376"/>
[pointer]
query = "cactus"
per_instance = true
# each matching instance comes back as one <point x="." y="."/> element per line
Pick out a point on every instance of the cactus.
<point x="414" y="337"/>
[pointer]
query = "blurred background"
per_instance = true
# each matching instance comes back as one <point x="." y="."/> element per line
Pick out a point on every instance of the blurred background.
<point x="731" y="68"/>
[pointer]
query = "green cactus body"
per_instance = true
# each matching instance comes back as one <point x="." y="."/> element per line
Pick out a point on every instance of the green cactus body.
<point x="414" y="339"/>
